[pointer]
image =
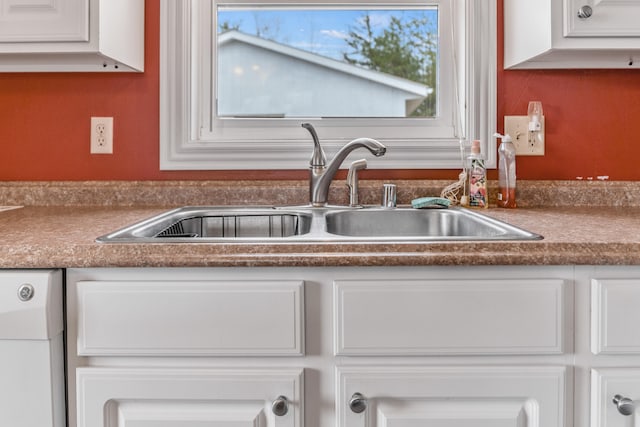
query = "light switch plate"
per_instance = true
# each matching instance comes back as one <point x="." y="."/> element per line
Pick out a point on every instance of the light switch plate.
<point x="518" y="128"/>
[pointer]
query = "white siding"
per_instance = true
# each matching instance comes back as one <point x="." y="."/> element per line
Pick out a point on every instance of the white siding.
<point x="258" y="81"/>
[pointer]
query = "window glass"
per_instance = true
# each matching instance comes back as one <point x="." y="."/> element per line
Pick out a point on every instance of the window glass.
<point x="327" y="62"/>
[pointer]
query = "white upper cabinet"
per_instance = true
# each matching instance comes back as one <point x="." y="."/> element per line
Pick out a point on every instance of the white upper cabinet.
<point x="571" y="34"/>
<point x="25" y="21"/>
<point x="602" y="18"/>
<point x="71" y="35"/>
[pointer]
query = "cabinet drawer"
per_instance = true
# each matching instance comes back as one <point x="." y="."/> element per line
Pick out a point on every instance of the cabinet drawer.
<point x="423" y="317"/>
<point x="123" y="397"/>
<point x="190" y="318"/>
<point x="607" y="384"/>
<point x="614" y="316"/>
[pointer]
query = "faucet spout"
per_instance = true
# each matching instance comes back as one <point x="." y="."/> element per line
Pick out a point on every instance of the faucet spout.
<point x="321" y="175"/>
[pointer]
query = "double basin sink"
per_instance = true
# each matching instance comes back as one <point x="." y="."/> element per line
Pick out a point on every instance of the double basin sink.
<point x="307" y="224"/>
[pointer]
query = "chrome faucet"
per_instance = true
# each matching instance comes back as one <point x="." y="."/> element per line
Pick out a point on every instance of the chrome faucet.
<point x="321" y="174"/>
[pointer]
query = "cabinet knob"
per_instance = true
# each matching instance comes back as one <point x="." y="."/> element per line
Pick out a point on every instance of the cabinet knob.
<point x="585" y="12"/>
<point x="280" y="406"/>
<point x="624" y="404"/>
<point x="26" y="292"/>
<point x="357" y="403"/>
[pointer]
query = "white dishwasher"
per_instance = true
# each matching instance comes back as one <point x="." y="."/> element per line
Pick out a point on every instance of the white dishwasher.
<point x="32" y="392"/>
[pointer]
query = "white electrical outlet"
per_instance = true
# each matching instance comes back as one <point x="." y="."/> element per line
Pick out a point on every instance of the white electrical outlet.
<point x="101" y="135"/>
<point x="518" y="128"/>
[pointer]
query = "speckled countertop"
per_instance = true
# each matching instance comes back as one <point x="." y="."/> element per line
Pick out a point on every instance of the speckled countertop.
<point x="59" y="222"/>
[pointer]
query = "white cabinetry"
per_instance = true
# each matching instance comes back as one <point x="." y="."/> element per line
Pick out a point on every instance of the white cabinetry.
<point x="334" y="347"/>
<point x="571" y="34"/>
<point x="44" y="21"/>
<point x="170" y="317"/>
<point x="72" y="35"/>
<point x="615" y="393"/>
<point x="608" y="301"/>
<point x="481" y="313"/>
<point x="117" y="397"/>
<point x="615" y="307"/>
<point x="197" y="315"/>
<point x="448" y="316"/>
<point x="602" y="18"/>
<point x="452" y="396"/>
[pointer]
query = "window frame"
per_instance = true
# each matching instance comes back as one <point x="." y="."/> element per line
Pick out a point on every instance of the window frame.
<point x="189" y="140"/>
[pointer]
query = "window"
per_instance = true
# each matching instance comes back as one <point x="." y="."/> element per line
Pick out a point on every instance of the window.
<point x="301" y="62"/>
<point x="237" y="80"/>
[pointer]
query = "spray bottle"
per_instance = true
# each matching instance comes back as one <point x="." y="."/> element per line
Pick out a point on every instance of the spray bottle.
<point x="506" y="172"/>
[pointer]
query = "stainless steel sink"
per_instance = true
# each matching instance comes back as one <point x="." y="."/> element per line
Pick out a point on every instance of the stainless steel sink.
<point x="307" y="224"/>
<point x="192" y="224"/>
<point x="428" y="224"/>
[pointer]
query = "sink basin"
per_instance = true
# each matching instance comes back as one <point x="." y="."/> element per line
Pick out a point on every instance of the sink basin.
<point x="227" y="223"/>
<point x="307" y="224"/>
<point x="429" y="224"/>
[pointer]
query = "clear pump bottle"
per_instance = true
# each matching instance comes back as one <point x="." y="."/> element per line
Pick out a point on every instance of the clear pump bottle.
<point x="506" y="172"/>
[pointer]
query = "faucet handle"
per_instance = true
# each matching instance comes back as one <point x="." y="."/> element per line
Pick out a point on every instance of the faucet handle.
<point x="318" y="158"/>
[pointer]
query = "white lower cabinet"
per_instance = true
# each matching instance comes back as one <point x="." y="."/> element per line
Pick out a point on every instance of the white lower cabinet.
<point x="321" y="347"/>
<point x="190" y="317"/>
<point x="615" y="393"/>
<point x="428" y="316"/>
<point x="451" y="396"/>
<point x="615" y="309"/>
<point x="613" y="362"/>
<point x="129" y="397"/>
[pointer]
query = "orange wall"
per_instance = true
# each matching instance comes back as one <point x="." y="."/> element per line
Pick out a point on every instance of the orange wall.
<point x="44" y="123"/>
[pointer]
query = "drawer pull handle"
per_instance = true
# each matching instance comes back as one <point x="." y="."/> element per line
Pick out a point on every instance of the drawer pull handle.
<point x="357" y="403"/>
<point x="280" y="406"/>
<point x="585" y="12"/>
<point x="624" y="404"/>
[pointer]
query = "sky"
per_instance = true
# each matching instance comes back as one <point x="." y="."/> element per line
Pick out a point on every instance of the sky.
<point x="322" y="32"/>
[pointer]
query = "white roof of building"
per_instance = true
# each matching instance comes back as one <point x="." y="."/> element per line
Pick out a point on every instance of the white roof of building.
<point x="323" y="61"/>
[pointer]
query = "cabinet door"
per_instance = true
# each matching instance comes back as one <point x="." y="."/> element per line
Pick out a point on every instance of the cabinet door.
<point x="44" y="21"/>
<point x="614" y="312"/>
<point x="608" y="18"/>
<point x="114" y="397"/>
<point x="615" y="393"/>
<point x="451" y="397"/>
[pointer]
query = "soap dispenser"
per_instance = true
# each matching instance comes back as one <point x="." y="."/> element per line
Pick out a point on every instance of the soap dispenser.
<point x="477" y="176"/>
<point x="506" y="172"/>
